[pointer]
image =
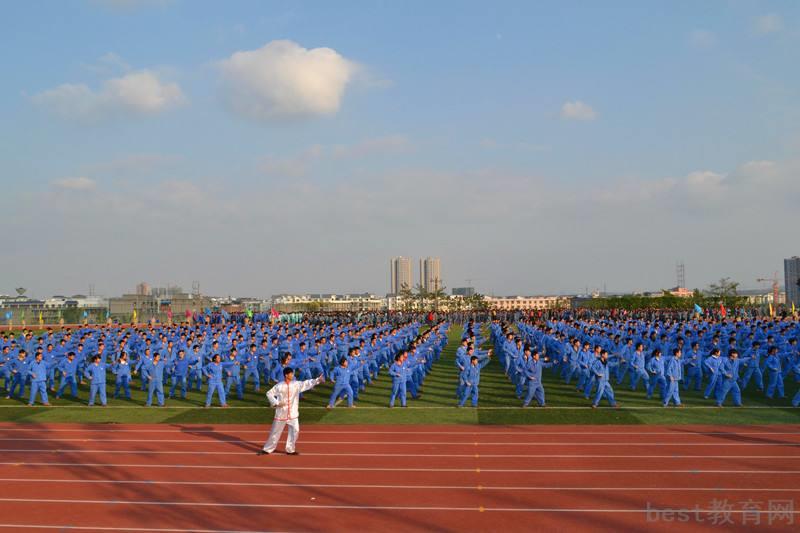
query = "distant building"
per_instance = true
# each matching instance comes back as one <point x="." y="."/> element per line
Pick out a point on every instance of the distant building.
<point x="143" y="289"/>
<point x="464" y="291"/>
<point x="528" y="303"/>
<point x="399" y="274"/>
<point x="681" y="292"/>
<point x="166" y="292"/>
<point x="430" y="275"/>
<point x="290" y="303"/>
<point x="146" y="306"/>
<point x="791" y="270"/>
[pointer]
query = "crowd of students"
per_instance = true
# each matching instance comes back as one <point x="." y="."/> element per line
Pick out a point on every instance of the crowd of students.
<point x="225" y="358"/>
<point x="720" y="357"/>
<point x="663" y="355"/>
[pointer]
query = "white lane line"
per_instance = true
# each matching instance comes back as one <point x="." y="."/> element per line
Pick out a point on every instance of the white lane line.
<point x="428" y="455"/>
<point x="397" y="487"/>
<point x="67" y="527"/>
<point x="387" y="469"/>
<point x="453" y="407"/>
<point x="680" y="433"/>
<point x="405" y="443"/>
<point x="344" y="507"/>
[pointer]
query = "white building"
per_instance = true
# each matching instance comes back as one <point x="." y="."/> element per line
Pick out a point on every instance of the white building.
<point x="527" y="303"/>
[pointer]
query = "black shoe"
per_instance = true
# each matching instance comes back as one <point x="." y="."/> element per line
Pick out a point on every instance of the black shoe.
<point x="262" y="452"/>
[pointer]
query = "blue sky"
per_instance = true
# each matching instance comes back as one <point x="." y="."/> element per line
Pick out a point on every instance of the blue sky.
<point x="264" y="147"/>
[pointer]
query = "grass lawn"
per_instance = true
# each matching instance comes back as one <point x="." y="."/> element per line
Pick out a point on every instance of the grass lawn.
<point x="498" y="405"/>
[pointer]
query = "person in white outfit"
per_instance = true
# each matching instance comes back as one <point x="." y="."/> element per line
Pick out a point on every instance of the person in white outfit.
<point x="285" y="397"/>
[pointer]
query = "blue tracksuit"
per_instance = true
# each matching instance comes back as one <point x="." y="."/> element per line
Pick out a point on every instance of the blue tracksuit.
<point x="38" y="372"/>
<point x="773" y="364"/>
<point x="533" y="374"/>
<point x="796" y="399"/>
<point x="753" y="370"/>
<point x="729" y="381"/>
<point x="471" y="377"/>
<point x="122" y="370"/>
<point x="341" y="378"/>
<point x="674" y="372"/>
<point x="214" y="373"/>
<point x="638" y="370"/>
<point x="711" y="364"/>
<point x="600" y="370"/>
<point x="656" y="369"/>
<point x="398" y="373"/>
<point x="233" y="370"/>
<point x="97" y="384"/>
<point x="694" y="370"/>
<point x="180" y="375"/>
<point x="69" y="369"/>
<point x="20" y="369"/>
<point x="156" y="383"/>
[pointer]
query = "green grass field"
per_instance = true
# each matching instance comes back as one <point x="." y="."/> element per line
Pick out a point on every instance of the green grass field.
<point x="498" y="405"/>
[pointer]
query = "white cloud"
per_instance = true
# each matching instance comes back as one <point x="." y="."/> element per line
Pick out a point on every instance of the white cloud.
<point x="769" y="23"/>
<point x="577" y="110"/>
<point x="130" y="5"/>
<point x="140" y="92"/>
<point x="284" y="80"/>
<point x="702" y="38"/>
<point x="81" y="183"/>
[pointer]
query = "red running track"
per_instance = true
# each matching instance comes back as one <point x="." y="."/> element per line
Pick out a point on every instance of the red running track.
<point x="182" y="478"/>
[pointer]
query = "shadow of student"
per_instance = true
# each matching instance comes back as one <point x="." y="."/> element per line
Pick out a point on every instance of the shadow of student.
<point x="208" y="432"/>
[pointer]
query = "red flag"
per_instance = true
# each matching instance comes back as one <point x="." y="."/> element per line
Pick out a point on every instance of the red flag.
<point x="723" y="311"/>
<point x="273" y="312"/>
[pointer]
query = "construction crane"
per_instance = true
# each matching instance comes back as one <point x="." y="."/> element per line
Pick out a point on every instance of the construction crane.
<point x="775" y="287"/>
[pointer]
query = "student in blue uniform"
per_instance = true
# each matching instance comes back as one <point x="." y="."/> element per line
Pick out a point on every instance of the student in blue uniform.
<point x="637" y="367"/>
<point x="655" y="367"/>
<point x="471" y="376"/>
<point x="122" y="370"/>
<point x="533" y="373"/>
<point x="694" y="368"/>
<point x="711" y="367"/>
<point x="753" y="370"/>
<point x="601" y="372"/>
<point x="251" y="368"/>
<point x="96" y="372"/>
<point x="38" y="373"/>
<point x="398" y="373"/>
<point x="674" y="375"/>
<point x="341" y="379"/>
<point x="214" y="372"/>
<point x="20" y="368"/>
<point x="775" y="376"/>
<point x="156" y="383"/>
<point x="69" y="370"/>
<point x="729" y="379"/>
<point x="180" y="374"/>
<point x="233" y="371"/>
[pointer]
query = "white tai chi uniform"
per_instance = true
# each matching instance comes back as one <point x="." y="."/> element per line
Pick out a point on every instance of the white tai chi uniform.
<point x="285" y="398"/>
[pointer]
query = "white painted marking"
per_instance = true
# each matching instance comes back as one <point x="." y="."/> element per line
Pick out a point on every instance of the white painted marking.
<point x="387" y="469"/>
<point x="397" y="487"/>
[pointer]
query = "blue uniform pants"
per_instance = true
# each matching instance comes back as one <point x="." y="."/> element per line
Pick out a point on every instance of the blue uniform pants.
<point x="156" y="386"/>
<point x="94" y="389"/>
<point x="711" y="387"/>
<point x="17" y="382"/>
<point x="122" y="382"/>
<point x="398" y="390"/>
<point x="694" y="377"/>
<point x="340" y="390"/>
<point x="39" y="387"/>
<point x="636" y="375"/>
<point x="656" y="381"/>
<point x="469" y="391"/>
<point x="252" y="372"/>
<point x="215" y="386"/>
<point x="535" y="392"/>
<point x="775" y="383"/>
<point x="672" y="393"/>
<point x="73" y="386"/>
<point x="753" y="371"/>
<point x="176" y="379"/>
<point x="604" y="389"/>
<point x="729" y="386"/>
